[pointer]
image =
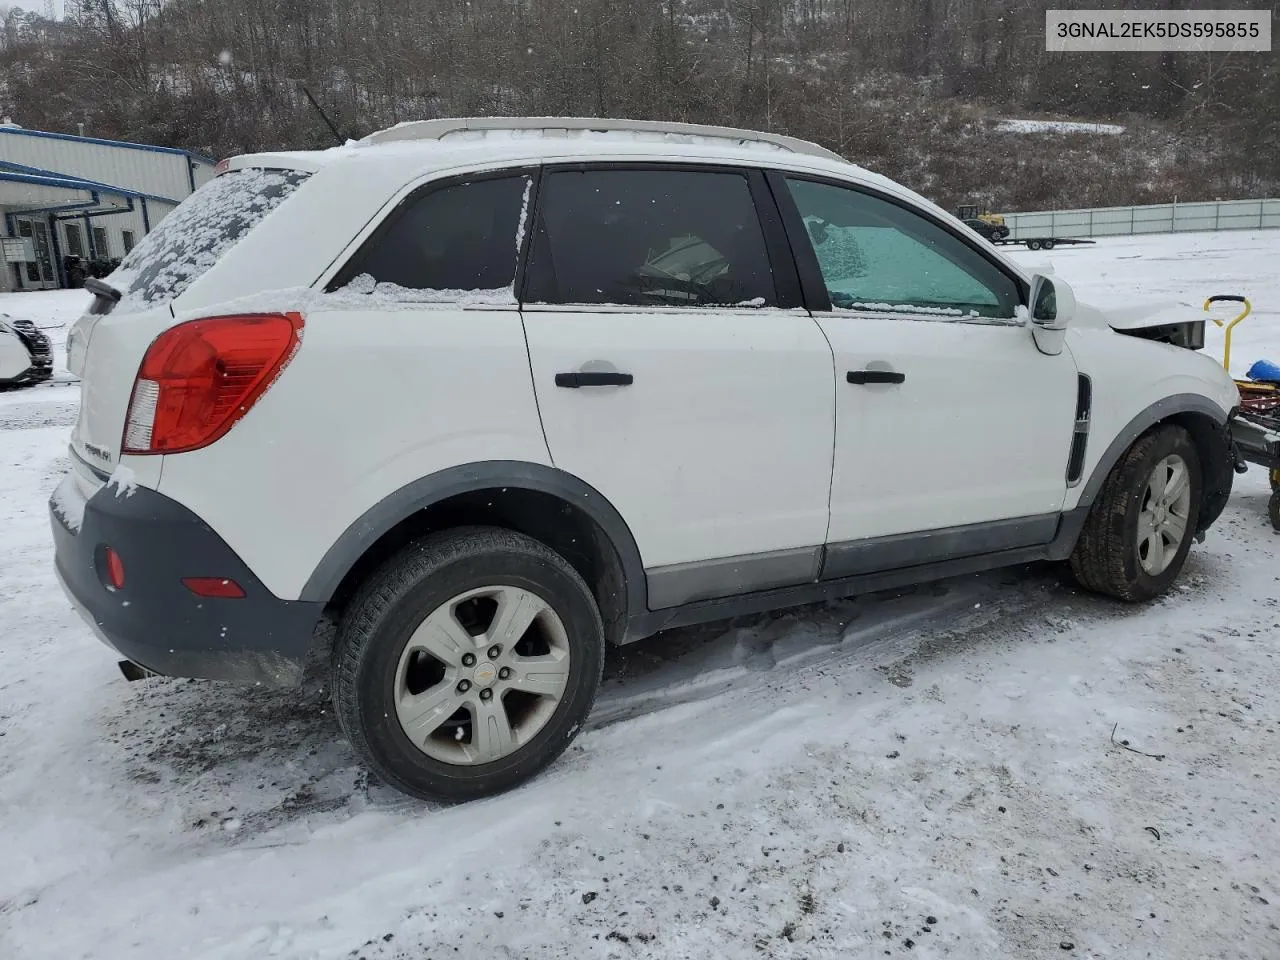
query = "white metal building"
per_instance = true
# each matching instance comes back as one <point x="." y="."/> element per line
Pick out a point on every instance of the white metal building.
<point x="69" y="196"/>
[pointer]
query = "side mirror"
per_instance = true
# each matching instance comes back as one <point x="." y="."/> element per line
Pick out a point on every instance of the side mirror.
<point x="1053" y="303"/>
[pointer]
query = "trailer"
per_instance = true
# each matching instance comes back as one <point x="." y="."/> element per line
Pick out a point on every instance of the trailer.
<point x="1040" y="243"/>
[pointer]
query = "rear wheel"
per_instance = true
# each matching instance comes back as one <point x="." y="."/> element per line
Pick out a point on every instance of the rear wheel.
<point x="1048" y="244"/>
<point x="467" y="663"/>
<point x="1140" y="529"/>
<point x="1033" y="244"/>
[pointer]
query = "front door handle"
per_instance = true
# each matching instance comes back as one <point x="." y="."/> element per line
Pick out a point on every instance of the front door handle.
<point x="875" y="376"/>
<point x="594" y="379"/>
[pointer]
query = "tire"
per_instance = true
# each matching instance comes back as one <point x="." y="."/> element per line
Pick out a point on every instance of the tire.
<point x="1273" y="510"/>
<point x="1033" y="244"/>
<point x="1048" y="244"/>
<point x="386" y="682"/>
<point x="1110" y="556"/>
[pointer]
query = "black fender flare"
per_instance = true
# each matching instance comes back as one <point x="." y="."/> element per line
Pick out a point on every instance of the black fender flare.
<point x="1158" y="412"/>
<point x="436" y="487"/>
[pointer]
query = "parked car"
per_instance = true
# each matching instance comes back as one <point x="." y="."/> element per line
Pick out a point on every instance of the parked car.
<point x="992" y="231"/>
<point x="25" y="354"/>
<point x="486" y="403"/>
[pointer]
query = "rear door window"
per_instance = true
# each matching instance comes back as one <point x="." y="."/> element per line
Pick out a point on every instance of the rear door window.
<point x="645" y="237"/>
<point x="454" y="242"/>
<point x="200" y="230"/>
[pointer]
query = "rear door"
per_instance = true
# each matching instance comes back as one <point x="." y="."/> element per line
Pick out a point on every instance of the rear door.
<point x="677" y="375"/>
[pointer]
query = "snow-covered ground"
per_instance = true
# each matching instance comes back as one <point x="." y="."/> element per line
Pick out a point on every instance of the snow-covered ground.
<point x="927" y="774"/>
<point x="1056" y="126"/>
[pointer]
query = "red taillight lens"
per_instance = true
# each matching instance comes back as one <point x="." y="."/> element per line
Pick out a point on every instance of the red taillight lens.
<point x="200" y="377"/>
<point x="213" y="587"/>
<point x="115" y="569"/>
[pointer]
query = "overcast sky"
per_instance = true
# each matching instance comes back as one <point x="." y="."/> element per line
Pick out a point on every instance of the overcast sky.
<point x="37" y="6"/>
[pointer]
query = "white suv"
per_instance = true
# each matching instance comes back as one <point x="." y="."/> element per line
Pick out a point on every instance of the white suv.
<point x="492" y="394"/>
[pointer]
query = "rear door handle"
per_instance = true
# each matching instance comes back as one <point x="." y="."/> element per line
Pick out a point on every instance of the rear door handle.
<point x="594" y="379"/>
<point x="875" y="376"/>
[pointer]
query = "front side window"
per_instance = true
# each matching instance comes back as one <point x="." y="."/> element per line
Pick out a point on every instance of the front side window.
<point x="676" y="238"/>
<point x="876" y="256"/>
<point x="455" y="242"/>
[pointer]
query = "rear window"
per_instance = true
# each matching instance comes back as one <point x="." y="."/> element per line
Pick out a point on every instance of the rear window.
<point x="200" y="230"/>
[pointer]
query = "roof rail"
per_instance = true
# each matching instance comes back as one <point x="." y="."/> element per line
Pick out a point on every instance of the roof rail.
<point x="439" y="129"/>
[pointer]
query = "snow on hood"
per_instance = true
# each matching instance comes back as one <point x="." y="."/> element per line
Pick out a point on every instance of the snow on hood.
<point x="1153" y="313"/>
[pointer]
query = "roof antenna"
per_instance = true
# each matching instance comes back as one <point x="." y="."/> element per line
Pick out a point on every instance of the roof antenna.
<point x="325" y="117"/>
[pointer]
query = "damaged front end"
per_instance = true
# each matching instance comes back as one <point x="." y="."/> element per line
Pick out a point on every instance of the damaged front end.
<point x="1161" y="322"/>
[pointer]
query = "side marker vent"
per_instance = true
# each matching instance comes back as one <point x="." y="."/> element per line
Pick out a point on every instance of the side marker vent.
<point x="1080" y="434"/>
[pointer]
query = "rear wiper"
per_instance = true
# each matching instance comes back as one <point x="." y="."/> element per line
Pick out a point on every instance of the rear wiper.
<point x="105" y="296"/>
<point x="100" y="289"/>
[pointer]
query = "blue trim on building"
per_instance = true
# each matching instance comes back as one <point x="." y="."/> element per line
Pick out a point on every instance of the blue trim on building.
<point x="123" y="144"/>
<point x="46" y="211"/>
<point x="64" y="183"/>
<point x="60" y="217"/>
<point x="21" y="168"/>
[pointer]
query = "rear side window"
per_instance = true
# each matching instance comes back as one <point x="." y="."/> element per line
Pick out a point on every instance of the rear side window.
<point x="200" y="230"/>
<point x="649" y="238"/>
<point x="454" y="242"/>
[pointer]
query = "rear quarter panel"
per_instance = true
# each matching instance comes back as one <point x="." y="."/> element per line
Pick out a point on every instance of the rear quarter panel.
<point x="372" y="401"/>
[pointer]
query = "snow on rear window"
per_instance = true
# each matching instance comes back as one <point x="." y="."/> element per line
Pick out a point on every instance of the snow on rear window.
<point x="200" y="230"/>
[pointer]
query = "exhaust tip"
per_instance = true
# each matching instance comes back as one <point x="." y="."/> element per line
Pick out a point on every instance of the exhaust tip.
<point x="134" y="672"/>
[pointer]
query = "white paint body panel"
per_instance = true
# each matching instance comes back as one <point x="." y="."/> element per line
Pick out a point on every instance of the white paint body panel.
<point x="374" y="400"/>
<point x="108" y="350"/>
<point x="14" y="358"/>
<point x="980" y="430"/>
<point x="1130" y="374"/>
<point x="721" y="446"/>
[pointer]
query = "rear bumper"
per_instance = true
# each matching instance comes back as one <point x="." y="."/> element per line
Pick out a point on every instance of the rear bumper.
<point x="154" y="620"/>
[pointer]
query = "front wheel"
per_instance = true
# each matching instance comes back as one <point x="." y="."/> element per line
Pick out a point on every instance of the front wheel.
<point x="1140" y="528"/>
<point x="467" y="663"/>
<point x="1033" y="244"/>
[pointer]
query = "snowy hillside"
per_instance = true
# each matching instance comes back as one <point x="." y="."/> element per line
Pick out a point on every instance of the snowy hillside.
<point x="991" y="768"/>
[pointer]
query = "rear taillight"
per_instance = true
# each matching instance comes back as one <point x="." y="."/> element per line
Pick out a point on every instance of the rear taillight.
<point x="200" y="377"/>
<point x="213" y="587"/>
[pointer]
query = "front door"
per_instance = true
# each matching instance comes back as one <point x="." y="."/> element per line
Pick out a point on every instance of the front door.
<point x="676" y="374"/>
<point x="952" y="430"/>
<point x="39" y="274"/>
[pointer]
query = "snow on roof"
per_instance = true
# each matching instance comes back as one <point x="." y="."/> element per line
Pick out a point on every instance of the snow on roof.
<point x="473" y="148"/>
